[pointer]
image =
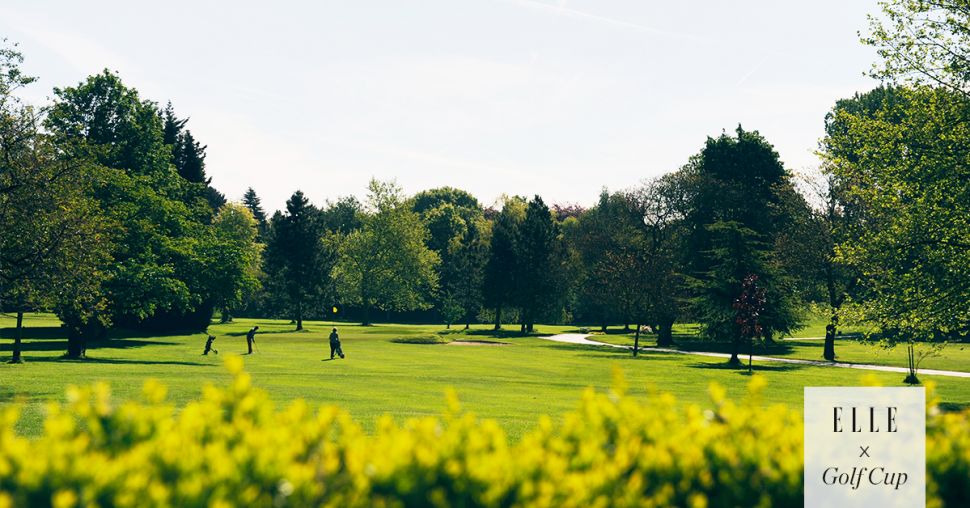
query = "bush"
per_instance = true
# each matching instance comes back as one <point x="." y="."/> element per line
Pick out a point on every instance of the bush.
<point x="430" y="338"/>
<point x="233" y="447"/>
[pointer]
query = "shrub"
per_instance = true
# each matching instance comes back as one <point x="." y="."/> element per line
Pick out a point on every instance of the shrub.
<point x="233" y="447"/>
<point x="430" y="338"/>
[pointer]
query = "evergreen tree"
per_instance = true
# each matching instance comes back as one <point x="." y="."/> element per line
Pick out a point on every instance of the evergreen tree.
<point x="254" y="204"/>
<point x="538" y="265"/>
<point x="298" y="262"/>
<point x="737" y="209"/>
<point x="500" y="270"/>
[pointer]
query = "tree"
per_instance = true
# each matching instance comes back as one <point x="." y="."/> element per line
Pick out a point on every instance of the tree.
<point x="748" y="307"/>
<point x="252" y="202"/>
<point x="923" y="42"/>
<point x="903" y="160"/>
<point x="298" y="260"/>
<point x="157" y="277"/>
<point x="188" y="157"/>
<point x="736" y="216"/>
<point x="660" y="207"/>
<point x="237" y="257"/>
<point x="45" y="210"/>
<point x="501" y="268"/>
<point x="386" y="263"/>
<point x="600" y="237"/>
<point x="457" y="233"/>
<point x="343" y="216"/>
<point x="539" y="263"/>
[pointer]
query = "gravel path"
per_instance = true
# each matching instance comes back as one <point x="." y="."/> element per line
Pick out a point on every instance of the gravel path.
<point x="583" y="339"/>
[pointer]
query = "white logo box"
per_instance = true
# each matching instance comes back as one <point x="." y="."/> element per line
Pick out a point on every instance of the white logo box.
<point x="865" y="447"/>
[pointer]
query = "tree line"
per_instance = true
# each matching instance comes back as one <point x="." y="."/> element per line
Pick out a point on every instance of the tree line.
<point x="108" y="219"/>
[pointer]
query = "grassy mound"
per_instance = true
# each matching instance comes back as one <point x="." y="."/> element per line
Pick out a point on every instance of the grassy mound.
<point x="428" y="338"/>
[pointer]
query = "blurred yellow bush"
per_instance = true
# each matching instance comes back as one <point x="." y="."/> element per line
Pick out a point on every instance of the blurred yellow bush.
<point x="233" y="447"/>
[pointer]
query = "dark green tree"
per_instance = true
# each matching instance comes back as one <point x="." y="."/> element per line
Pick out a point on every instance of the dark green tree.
<point x="158" y="274"/>
<point x="499" y="280"/>
<point x="736" y="216"/>
<point x="343" y="216"/>
<point x="457" y="233"/>
<point x="298" y="261"/>
<point x="540" y="257"/>
<point x="254" y="204"/>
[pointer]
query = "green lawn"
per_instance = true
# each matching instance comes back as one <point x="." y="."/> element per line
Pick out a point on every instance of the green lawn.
<point x="513" y="383"/>
<point x="955" y="356"/>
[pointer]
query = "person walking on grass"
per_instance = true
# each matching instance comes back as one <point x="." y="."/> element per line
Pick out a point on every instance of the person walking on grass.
<point x="208" y="346"/>
<point x="251" y="339"/>
<point x="335" y="344"/>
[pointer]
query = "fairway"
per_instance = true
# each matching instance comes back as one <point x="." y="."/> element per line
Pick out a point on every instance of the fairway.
<point x="514" y="384"/>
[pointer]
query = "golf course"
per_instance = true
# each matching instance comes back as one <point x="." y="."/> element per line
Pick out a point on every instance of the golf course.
<point x="497" y="375"/>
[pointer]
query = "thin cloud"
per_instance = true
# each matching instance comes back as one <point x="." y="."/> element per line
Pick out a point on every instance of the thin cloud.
<point x="754" y="69"/>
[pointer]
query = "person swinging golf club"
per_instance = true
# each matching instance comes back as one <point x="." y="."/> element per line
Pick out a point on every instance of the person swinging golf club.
<point x="251" y="339"/>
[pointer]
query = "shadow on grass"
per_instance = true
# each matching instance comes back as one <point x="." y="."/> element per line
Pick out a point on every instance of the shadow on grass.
<point x="261" y="332"/>
<point x="61" y="345"/>
<point x="947" y="407"/>
<point x="116" y="361"/>
<point x="707" y="346"/>
<point x="743" y="369"/>
<point x="35" y="333"/>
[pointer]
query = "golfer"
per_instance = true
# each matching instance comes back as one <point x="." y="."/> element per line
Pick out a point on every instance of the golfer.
<point x="335" y="344"/>
<point x="251" y="339"/>
<point x="208" y="345"/>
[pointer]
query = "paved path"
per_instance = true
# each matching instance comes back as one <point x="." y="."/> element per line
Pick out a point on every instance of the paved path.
<point x="583" y="339"/>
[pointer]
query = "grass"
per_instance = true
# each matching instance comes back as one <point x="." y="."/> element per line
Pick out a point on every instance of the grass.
<point x="849" y="348"/>
<point x="514" y="384"/>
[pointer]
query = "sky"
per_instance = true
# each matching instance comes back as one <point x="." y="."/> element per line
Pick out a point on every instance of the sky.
<point x="496" y="97"/>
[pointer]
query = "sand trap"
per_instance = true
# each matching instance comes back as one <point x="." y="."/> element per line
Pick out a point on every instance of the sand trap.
<point x="476" y="343"/>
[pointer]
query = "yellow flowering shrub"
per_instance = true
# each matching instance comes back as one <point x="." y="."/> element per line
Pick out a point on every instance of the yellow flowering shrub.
<point x="234" y="447"/>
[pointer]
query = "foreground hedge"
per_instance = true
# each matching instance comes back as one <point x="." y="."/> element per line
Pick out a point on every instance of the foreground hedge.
<point x="234" y="448"/>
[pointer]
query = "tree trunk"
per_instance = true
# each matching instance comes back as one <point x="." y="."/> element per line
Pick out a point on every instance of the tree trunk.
<point x="17" y="345"/>
<point x="226" y="315"/>
<point x="665" y="334"/>
<point x="735" y="349"/>
<point x="603" y="327"/>
<point x="750" y="352"/>
<point x="447" y="326"/>
<point x="828" y="352"/>
<point x="626" y="327"/>
<point x="299" y="316"/>
<point x="911" y="378"/>
<point x="636" y="341"/>
<point x="366" y="315"/>
<point x="498" y="317"/>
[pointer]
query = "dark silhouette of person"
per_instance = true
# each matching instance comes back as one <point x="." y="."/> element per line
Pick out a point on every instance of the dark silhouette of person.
<point x="208" y="345"/>
<point x="335" y="344"/>
<point x="251" y="339"/>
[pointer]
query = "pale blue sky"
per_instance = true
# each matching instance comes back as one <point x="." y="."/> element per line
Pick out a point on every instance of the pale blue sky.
<point x="493" y="96"/>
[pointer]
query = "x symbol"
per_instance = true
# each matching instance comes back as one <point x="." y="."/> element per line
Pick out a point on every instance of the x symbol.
<point x="865" y="451"/>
